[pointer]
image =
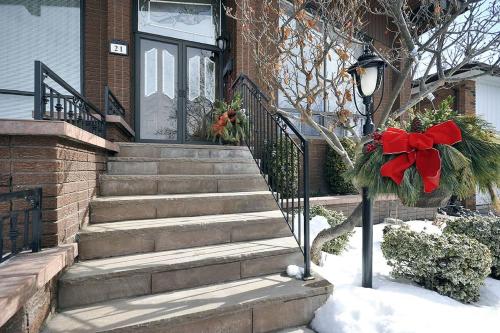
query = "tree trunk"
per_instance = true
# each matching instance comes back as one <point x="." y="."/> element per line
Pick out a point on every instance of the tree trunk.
<point x="331" y="233"/>
<point x="495" y="202"/>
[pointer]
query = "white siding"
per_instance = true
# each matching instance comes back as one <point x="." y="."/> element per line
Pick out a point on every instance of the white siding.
<point x="488" y="107"/>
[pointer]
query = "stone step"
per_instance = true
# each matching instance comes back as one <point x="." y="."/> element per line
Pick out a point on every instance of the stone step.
<point x="182" y="150"/>
<point x="100" y="280"/>
<point x="115" y="185"/>
<point x="121" y="208"/>
<point x="180" y="166"/>
<point x="301" y="329"/>
<point x="258" y="304"/>
<point x="140" y="236"/>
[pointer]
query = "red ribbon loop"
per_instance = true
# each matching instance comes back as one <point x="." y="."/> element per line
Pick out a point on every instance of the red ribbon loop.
<point x="418" y="148"/>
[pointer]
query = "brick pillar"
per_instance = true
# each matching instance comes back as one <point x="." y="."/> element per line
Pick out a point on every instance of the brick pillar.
<point x="119" y="70"/>
<point x="96" y="54"/>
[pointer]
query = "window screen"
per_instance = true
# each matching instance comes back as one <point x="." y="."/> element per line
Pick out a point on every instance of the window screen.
<point x="45" y="30"/>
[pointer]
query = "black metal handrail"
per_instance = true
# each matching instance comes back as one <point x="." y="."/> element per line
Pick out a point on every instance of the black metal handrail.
<point x="18" y="217"/>
<point x="72" y="107"/>
<point x="112" y="105"/>
<point x="282" y="154"/>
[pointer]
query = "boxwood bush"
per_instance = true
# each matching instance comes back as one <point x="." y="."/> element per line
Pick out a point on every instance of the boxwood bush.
<point x="484" y="229"/>
<point x="337" y="245"/>
<point x="282" y="167"/>
<point x="451" y="264"/>
<point x="335" y="168"/>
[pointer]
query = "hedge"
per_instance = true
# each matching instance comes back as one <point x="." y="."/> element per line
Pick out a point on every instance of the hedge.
<point x="484" y="229"/>
<point x="451" y="264"/>
<point x="335" y="168"/>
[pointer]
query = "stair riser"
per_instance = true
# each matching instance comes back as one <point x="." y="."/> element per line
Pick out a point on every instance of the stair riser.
<point x="168" y="152"/>
<point x="146" y="186"/>
<point x="79" y="293"/>
<point x="112" y="211"/>
<point x="113" y="244"/>
<point x="180" y="168"/>
<point x="260" y="318"/>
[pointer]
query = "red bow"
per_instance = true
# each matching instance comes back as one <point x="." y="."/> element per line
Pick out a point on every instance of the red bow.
<point x="418" y="147"/>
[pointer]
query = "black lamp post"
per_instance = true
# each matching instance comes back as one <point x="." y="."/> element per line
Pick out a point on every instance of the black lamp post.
<point x="367" y="73"/>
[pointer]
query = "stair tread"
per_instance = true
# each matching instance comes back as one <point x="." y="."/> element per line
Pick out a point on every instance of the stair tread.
<point x="180" y="177"/>
<point x="178" y="196"/>
<point x="186" y="305"/>
<point x="179" y="222"/>
<point x="237" y="160"/>
<point x="300" y="329"/>
<point x="179" y="259"/>
<point x="182" y="146"/>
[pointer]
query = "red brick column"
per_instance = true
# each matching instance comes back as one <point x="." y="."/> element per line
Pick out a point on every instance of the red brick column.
<point x="120" y="67"/>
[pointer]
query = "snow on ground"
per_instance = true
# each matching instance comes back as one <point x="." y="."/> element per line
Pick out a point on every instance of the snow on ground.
<point x="396" y="306"/>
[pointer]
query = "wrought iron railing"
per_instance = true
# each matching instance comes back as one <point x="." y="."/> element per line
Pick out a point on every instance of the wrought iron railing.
<point x="20" y="222"/>
<point x="57" y="100"/>
<point x="112" y="105"/>
<point x="281" y="152"/>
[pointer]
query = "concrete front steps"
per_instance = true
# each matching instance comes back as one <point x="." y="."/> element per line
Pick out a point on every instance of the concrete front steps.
<point x="140" y="236"/>
<point x="185" y="238"/>
<point x="110" y="209"/>
<point x="259" y="304"/>
<point x="155" y="272"/>
<point x="116" y="185"/>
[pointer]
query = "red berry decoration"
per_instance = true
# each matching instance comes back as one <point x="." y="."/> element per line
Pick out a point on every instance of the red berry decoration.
<point x="377" y="136"/>
<point x="370" y="147"/>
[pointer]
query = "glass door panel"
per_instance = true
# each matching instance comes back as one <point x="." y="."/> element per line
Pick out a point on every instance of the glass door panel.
<point x="201" y="91"/>
<point x="159" y="92"/>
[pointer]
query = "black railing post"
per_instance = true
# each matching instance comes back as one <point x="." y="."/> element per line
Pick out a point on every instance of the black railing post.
<point x="39" y="103"/>
<point x="307" y="245"/>
<point x="106" y="99"/>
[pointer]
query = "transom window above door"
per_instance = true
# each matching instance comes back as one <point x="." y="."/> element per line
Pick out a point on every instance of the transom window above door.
<point x="194" y="20"/>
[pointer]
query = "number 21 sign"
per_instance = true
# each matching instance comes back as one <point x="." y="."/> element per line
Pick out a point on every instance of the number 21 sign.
<point x="118" y="47"/>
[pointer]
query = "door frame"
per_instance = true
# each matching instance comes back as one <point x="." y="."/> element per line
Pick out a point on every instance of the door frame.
<point x="182" y="46"/>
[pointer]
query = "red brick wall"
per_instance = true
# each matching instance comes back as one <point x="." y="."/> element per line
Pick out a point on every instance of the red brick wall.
<point x="463" y="92"/>
<point x="66" y="170"/>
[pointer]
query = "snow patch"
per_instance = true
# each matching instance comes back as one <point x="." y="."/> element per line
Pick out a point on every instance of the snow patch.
<point x="396" y="306"/>
<point x="295" y="271"/>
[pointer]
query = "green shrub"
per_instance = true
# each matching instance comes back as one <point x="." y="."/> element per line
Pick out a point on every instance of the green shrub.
<point x="453" y="265"/>
<point x="335" y="169"/>
<point x="337" y="245"/>
<point x="484" y="229"/>
<point x="282" y="167"/>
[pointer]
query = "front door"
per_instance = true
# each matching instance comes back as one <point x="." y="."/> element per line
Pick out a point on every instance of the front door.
<point x="178" y="83"/>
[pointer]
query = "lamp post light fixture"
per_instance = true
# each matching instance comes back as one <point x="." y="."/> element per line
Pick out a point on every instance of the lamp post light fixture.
<point x="222" y="43"/>
<point x="367" y="74"/>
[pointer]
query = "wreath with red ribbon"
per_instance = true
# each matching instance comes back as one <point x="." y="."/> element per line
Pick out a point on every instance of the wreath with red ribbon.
<point x="418" y="148"/>
<point x="425" y="161"/>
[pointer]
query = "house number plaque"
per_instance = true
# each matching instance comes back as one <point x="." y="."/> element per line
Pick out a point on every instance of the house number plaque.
<point x="118" y="47"/>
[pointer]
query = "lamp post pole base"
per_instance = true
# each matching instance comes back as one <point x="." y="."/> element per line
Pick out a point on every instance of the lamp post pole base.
<point x="367" y="262"/>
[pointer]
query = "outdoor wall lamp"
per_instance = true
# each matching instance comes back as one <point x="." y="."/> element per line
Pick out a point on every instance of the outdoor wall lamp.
<point x="367" y="74"/>
<point x="222" y="43"/>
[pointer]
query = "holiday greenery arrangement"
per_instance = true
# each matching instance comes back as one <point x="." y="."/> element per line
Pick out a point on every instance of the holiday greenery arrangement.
<point x="437" y="154"/>
<point x="230" y="122"/>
